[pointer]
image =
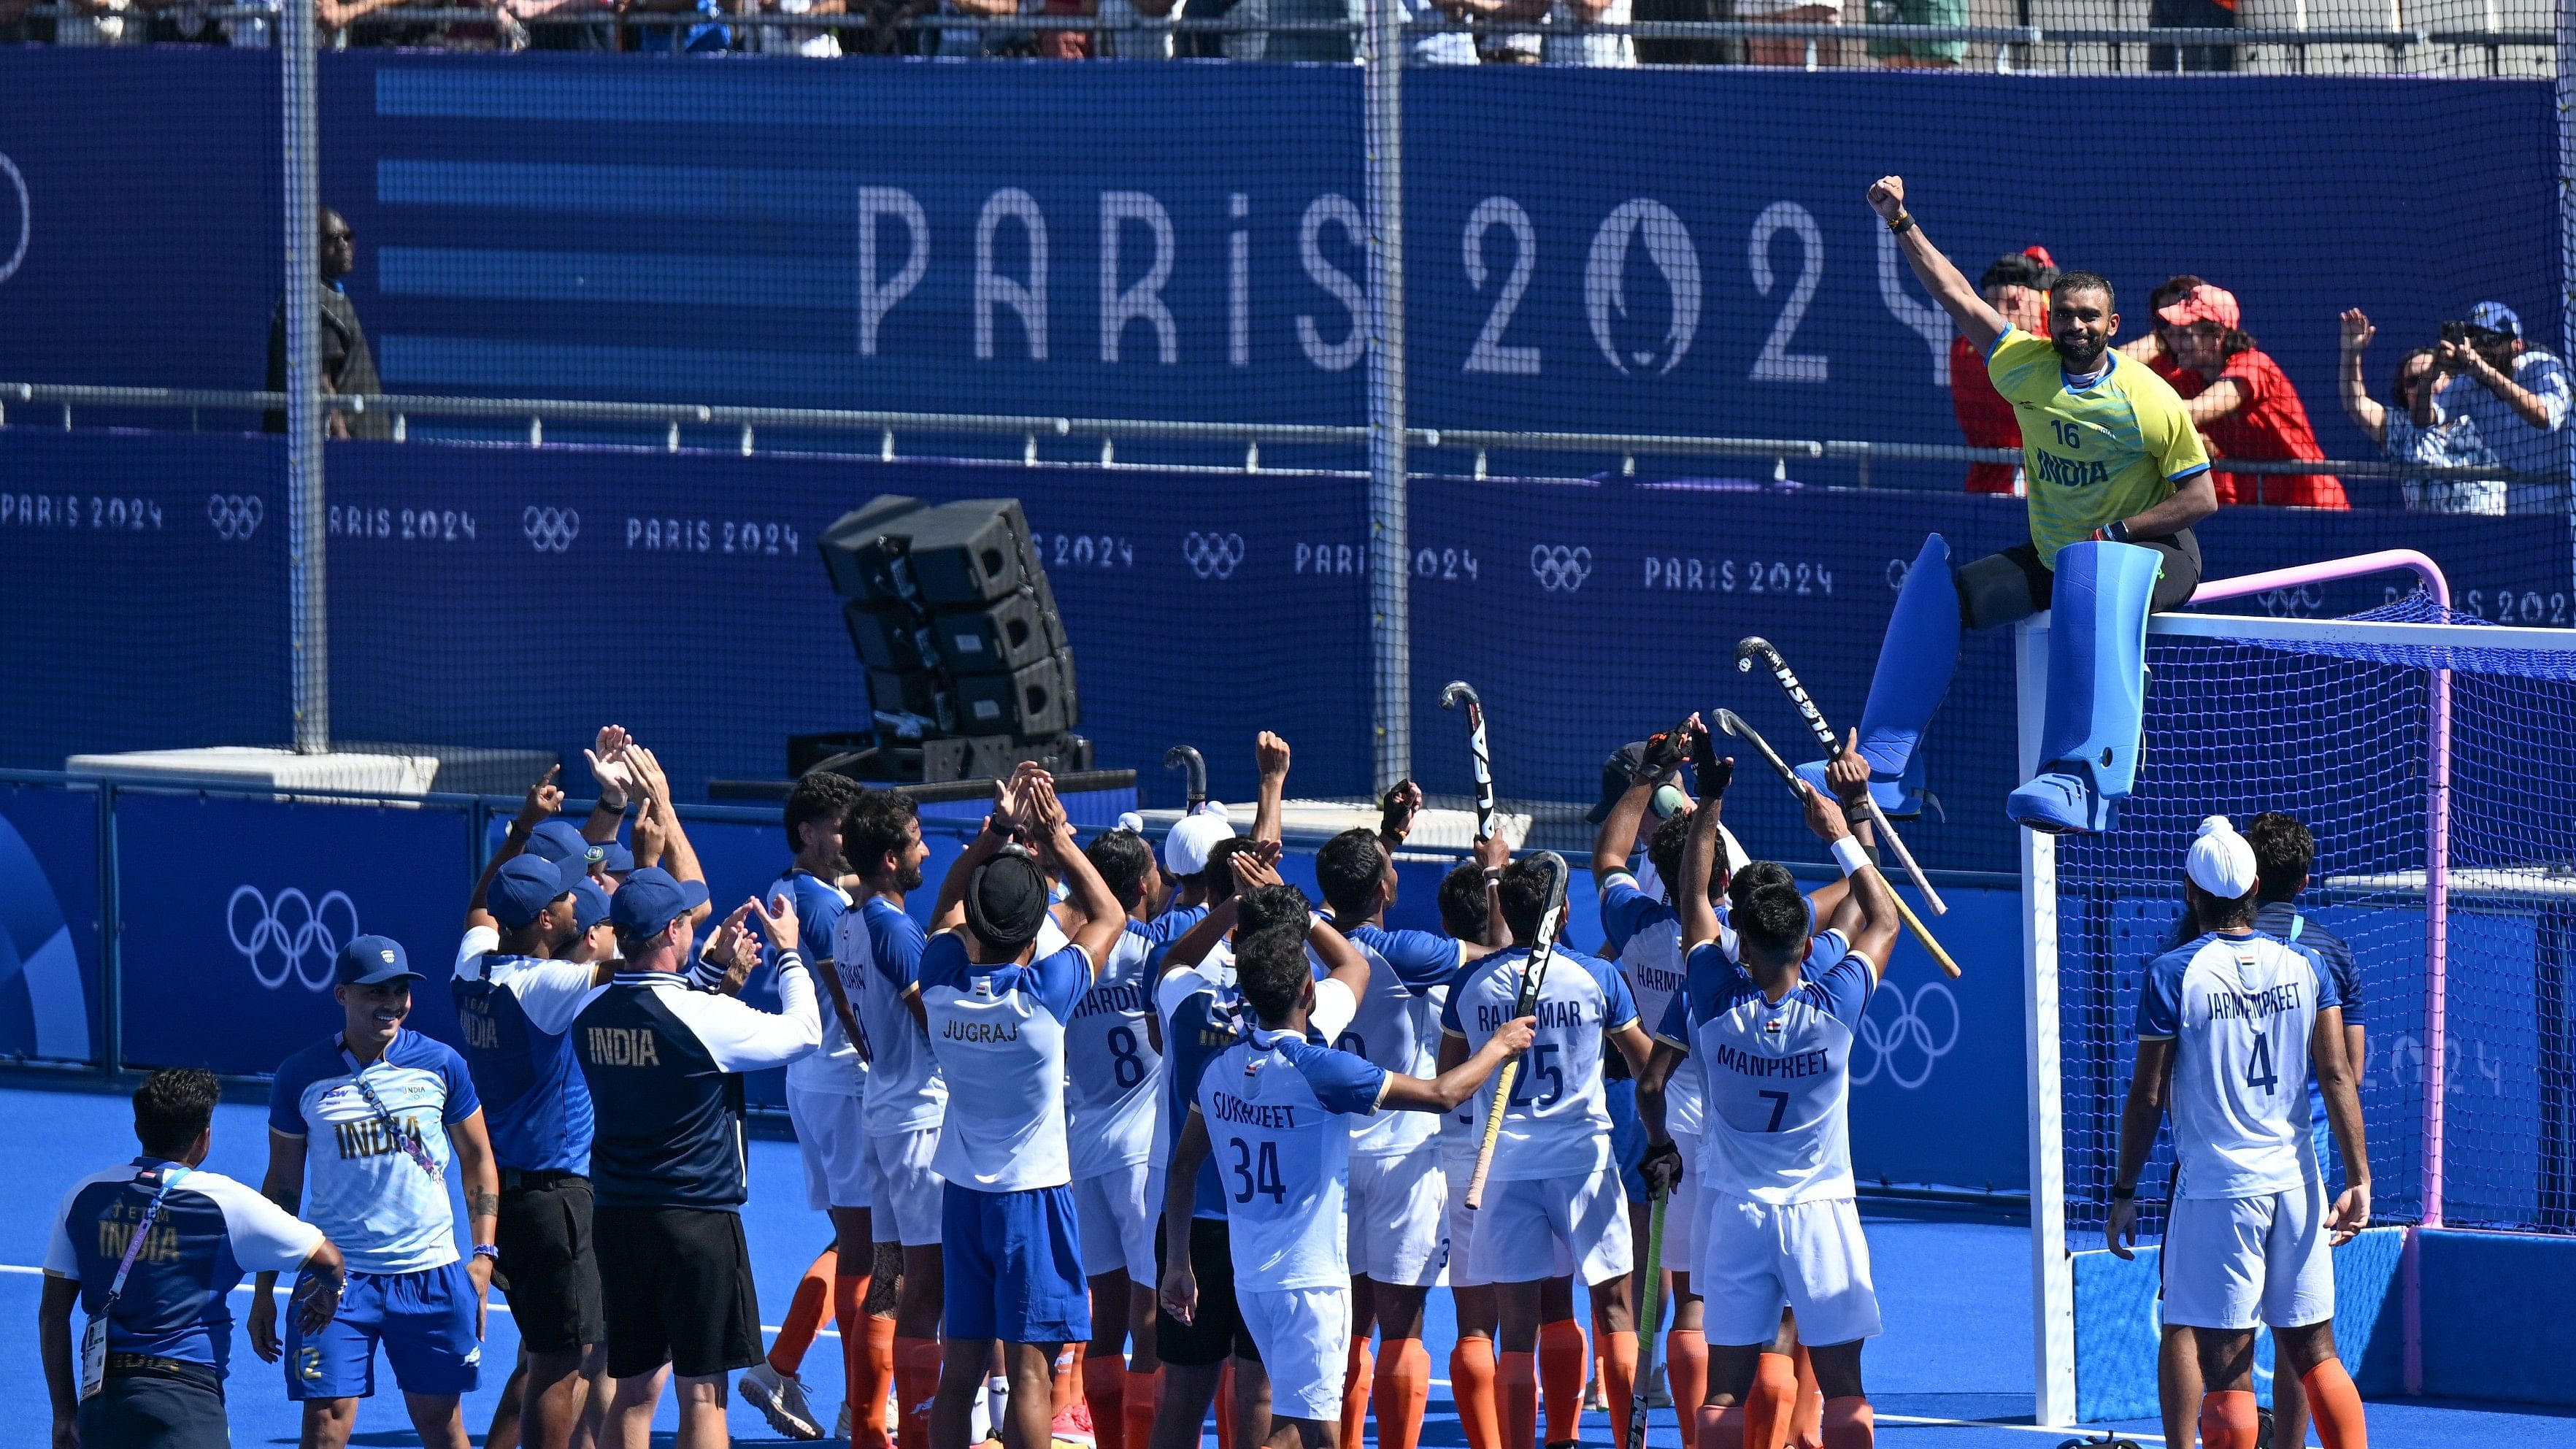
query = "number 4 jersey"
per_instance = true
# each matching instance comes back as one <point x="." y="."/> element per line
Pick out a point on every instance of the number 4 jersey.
<point x="2239" y="1010"/>
<point x="1278" y="1110"/>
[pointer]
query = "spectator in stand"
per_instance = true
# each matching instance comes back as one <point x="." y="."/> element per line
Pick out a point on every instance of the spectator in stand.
<point x="1918" y="54"/>
<point x="1579" y="48"/>
<point x="1791" y="52"/>
<point x="656" y="27"/>
<point x="2191" y="15"/>
<point x="811" y="41"/>
<point x="2409" y="431"/>
<point x="347" y="366"/>
<point x="2515" y="394"/>
<point x="2016" y="286"/>
<point x="2243" y="404"/>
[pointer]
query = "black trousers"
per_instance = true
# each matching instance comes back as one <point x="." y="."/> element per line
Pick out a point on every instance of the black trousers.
<point x="157" y="1409"/>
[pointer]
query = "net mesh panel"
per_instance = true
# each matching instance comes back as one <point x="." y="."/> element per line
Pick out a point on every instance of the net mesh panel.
<point x="2237" y="727"/>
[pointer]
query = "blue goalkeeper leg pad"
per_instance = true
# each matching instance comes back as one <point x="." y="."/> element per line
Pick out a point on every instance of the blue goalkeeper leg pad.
<point x="1914" y="668"/>
<point x="2097" y="689"/>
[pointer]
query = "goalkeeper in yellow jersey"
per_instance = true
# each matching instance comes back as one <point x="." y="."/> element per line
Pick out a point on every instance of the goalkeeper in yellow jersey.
<point x="2117" y="477"/>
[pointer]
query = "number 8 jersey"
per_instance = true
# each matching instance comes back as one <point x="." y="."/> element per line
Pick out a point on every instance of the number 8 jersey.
<point x="2240" y="1011"/>
<point x="1278" y="1110"/>
<point x="1775" y="1076"/>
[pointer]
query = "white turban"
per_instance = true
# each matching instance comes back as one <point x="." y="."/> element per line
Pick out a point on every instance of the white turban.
<point x="2221" y="862"/>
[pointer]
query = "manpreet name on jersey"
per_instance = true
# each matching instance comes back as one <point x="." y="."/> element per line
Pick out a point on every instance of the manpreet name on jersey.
<point x="1812" y="1063"/>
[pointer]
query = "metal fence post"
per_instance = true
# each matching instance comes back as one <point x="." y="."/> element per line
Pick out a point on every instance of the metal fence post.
<point x="1389" y="553"/>
<point x="111" y="941"/>
<point x="308" y="629"/>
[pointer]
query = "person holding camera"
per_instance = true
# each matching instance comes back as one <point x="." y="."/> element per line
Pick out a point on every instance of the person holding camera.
<point x="2514" y="394"/>
<point x="2406" y="429"/>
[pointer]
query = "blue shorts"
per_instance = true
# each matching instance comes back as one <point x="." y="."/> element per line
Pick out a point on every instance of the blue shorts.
<point x="1627" y="1137"/>
<point x="1014" y="1266"/>
<point x="425" y="1321"/>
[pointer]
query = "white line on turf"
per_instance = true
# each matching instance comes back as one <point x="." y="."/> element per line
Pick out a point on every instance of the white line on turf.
<point x="497" y="1307"/>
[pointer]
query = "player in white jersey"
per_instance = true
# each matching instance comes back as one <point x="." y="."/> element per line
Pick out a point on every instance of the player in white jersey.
<point x="1271" y="1108"/>
<point x="1552" y="1181"/>
<point x="997" y="1014"/>
<point x="879" y="948"/>
<point x="1769" y="1033"/>
<point x="2230" y="1023"/>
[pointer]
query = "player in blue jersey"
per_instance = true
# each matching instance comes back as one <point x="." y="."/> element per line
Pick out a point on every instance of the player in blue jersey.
<point x="151" y="1252"/>
<point x="1552" y="1183"/>
<point x="2230" y="1024"/>
<point x="1269" y="1109"/>
<point x="363" y="1129"/>
<point x="996" y="1015"/>
<point x="1768" y="1030"/>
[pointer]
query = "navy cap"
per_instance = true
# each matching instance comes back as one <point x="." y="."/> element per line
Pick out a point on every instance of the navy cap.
<point x="372" y="961"/>
<point x="651" y="900"/>
<point x="526" y="884"/>
<point x="589" y="905"/>
<point x="558" y="840"/>
<point x="2495" y="317"/>
<point x="615" y="858"/>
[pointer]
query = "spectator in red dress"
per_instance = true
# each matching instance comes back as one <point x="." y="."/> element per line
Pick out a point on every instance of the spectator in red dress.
<point x="2243" y="404"/>
<point x="2016" y="286"/>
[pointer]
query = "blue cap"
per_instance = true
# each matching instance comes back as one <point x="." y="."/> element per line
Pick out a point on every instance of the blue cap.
<point x="526" y="884"/>
<point x="651" y="900"/>
<point x="589" y="905"/>
<point x="372" y="961"/>
<point x="558" y="840"/>
<point x="615" y="858"/>
<point x="2495" y="317"/>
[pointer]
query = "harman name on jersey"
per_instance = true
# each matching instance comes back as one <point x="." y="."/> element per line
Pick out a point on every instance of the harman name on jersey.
<point x="1278" y="1109"/>
<point x="2109" y="450"/>
<point x="2240" y="1011"/>
<point x="1557" y="1123"/>
<point x="1775" y="1076"/>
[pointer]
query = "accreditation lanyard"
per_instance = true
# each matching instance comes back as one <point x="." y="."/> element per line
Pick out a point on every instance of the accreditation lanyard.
<point x="94" y="1337"/>
<point x="410" y="1143"/>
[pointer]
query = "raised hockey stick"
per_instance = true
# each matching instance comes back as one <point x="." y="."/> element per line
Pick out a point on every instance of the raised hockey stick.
<point x="1754" y="646"/>
<point x="1533" y="979"/>
<point x="1460" y="690"/>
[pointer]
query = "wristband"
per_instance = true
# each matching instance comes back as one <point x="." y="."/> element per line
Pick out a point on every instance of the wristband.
<point x="2124" y="1194"/>
<point x="1849" y="855"/>
<point x="488" y="1250"/>
<point x="1904" y="223"/>
<point x="2117" y="530"/>
<point x="1494" y="873"/>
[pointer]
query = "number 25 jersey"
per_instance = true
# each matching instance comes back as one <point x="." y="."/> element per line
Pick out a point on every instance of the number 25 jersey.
<point x="1775" y="1076"/>
<point x="1556" y="1123"/>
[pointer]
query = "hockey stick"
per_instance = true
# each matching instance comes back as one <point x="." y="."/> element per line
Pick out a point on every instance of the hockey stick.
<point x="1457" y="690"/>
<point x="1184" y="757"/>
<point x="1648" y="1316"/>
<point x="1733" y="723"/>
<point x="1533" y="979"/>
<point x="1754" y="646"/>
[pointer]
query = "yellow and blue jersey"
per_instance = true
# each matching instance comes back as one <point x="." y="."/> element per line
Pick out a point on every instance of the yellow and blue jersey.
<point x="2106" y="451"/>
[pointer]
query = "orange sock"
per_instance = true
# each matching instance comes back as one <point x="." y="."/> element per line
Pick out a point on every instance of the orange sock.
<point x="1519" y="1382"/>
<point x="849" y="1308"/>
<point x="916" y="1383"/>
<point x="1619" y="1380"/>
<point x="1562" y="1359"/>
<point x="1471" y="1388"/>
<point x="807" y="1312"/>
<point x="1104" y="1384"/>
<point x="1807" y="1426"/>
<point x="1720" y="1428"/>
<point x="1225" y="1408"/>
<point x="1772" y="1404"/>
<point x="2334" y="1406"/>
<point x="1355" y="1390"/>
<point x="1144" y="1391"/>
<point x="1686" y="1369"/>
<point x="2227" y="1420"/>
<point x="1403" y="1388"/>
<point x="868" y="1402"/>
<point x="1852" y="1424"/>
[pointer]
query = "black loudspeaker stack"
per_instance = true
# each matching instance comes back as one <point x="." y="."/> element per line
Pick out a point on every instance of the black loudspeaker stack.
<point x="968" y="669"/>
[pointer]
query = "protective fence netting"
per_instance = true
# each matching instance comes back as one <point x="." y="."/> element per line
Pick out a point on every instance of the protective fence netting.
<point x="2239" y="726"/>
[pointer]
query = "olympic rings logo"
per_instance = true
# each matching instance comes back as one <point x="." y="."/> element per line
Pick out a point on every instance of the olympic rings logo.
<point x="1213" y="555"/>
<point x="293" y="935"/>
<point x="26" y="219"/>
<point x="235" y="516"/>
<point x="1906" y="1046"/>
<point x="549" y="530"/>
<point x="1559" y="567"/>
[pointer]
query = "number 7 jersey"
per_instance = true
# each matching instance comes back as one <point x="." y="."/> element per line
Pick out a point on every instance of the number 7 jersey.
<point x="1775" y="1076"/>
<point x="2240" y="1011"/>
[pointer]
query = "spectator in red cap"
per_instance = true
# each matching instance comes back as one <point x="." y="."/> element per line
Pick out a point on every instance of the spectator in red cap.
<point x="2017" y="287"/>
<point x="2243" y="404"/>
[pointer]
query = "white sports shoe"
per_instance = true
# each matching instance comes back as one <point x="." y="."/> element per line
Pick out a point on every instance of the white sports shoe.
<point x="780" y="1398"/>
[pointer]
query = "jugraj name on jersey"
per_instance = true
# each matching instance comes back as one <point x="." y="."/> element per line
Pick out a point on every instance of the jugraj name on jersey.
<point x="1231" y="1108"/>
<point x="979" y="1031"/>
<point x="2248" y="1006"/>
<point x="1491" y="1017"/>
<point x="1813" y="1063"/>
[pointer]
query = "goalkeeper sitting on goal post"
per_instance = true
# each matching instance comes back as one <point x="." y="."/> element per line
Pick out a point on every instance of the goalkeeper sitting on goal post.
<point x="2117" y="477"/>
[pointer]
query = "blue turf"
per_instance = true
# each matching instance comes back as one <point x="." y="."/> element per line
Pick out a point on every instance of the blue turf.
<point x="1955" y="1298"/>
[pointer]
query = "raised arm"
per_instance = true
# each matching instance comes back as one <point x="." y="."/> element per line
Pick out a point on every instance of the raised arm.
<point x="2139" y="1118"/>
<point x="2351" y="1211"/>
<point x="1104" y="921"/>
<point x="1699" y="854"/>
<point x="683" y="859"/>
<point x="950" y="911"/>
<point x="1879" y="919"/>
<point x="1270" y="756"/>
<point x="743" y="1038"/>
<point x="616" y="782"/>
<point x="2358" y="404"/>
<point x="1616" y="840"/>
<point x="544" y="799"/>
<point x="1979" y="323"/>
<point x="1455" y="1084"/>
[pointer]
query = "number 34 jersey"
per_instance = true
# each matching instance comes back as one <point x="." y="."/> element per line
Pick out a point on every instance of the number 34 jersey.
<point x="2239" y="1010"/>
<point x="1775" y="1075"/>
<point x="1278" y="1109"/>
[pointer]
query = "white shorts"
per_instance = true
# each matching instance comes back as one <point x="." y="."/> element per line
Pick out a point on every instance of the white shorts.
<point x="1554" y="1221"/>
<point x="1304" y="1335"/>
<point x="1116" y="1212"/>
<point x="1397" y="1208"/>
<point x="835" y="1150"/>
<point x="906" y="1196"/>
<point x="1463" y="1273"/>
<point x="2233" y="1262"/>
<point x="1809" y="1256"/>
